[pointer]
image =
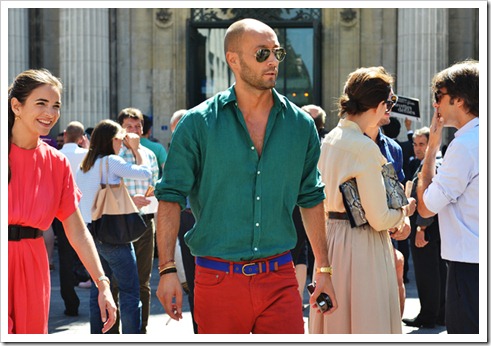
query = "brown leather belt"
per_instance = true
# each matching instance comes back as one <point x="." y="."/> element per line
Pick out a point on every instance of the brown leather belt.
<point x="17" y="233"/>
<point x="338" y="216"/>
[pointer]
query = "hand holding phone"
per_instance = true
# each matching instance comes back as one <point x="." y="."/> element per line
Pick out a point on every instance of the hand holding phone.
<point x="323" y="301"/>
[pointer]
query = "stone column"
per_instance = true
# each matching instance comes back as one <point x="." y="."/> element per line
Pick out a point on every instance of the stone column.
<point x="422" y="51"/>
<point x="169" y="68"/>
<point x="18" y="41"/>
<point x="84" y="65"/>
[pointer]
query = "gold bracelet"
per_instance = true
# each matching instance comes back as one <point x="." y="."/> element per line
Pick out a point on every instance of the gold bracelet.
<point x="327" y="270"/>
<point x="103" y="278"/>
<point x="168" y="267"/>
<point x="163" y="266"/>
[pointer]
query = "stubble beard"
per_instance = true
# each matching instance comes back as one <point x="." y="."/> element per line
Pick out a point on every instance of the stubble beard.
<point x="248" y="76"/>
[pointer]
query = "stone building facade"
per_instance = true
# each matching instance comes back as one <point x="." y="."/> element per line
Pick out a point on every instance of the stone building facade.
<point x="161" y="60"/>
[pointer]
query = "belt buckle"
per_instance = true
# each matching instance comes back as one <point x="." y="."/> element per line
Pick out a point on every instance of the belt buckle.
<point x="248" y="265"/>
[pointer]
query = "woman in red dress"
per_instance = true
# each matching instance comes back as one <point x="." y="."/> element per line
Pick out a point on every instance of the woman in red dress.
<point x="41" y="187"/>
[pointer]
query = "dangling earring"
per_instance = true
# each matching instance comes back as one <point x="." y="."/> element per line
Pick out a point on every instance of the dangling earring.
<point x="17" y="117"/>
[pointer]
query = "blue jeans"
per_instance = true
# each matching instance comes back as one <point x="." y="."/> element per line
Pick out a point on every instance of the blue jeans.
<point x="119" y="262"/>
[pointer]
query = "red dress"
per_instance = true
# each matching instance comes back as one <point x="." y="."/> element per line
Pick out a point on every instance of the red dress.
<point x="41" y="187"/>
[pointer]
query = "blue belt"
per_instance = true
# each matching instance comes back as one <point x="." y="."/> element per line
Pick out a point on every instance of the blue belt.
<point x="248" y="269"/>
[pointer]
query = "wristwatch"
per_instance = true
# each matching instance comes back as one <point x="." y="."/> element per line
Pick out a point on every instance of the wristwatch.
<point x="103" y="278"/>
<point x="327" y="270"/>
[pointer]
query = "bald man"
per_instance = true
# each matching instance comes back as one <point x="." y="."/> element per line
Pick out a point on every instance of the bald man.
<point x="232" y="155"/>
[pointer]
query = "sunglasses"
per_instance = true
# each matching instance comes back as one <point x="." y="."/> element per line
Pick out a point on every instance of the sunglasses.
<point x="264" y="53"/>
<point x="390" y="103"/>
<point x="438" y="96"/>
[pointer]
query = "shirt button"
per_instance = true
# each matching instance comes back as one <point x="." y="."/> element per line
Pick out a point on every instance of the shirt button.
<point x="255" y="249"/>
<point x="258" y="172"/>
<point x="257" y="224"/>
<point x="258" y="198"/>
<point x="252" y="148"/>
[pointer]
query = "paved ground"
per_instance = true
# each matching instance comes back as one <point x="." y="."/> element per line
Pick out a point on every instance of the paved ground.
<point x="158" y="330"/>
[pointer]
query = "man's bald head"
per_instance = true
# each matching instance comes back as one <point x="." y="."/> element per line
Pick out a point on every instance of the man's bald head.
<point x="235" y="32"/>
<point x="74" y="132"/>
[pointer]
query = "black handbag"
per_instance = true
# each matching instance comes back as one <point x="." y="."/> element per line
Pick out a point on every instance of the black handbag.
<point x="115" y="218"/>
<point x="396" y="198"/>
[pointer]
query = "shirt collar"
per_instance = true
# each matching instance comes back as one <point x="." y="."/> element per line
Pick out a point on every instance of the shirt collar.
<point x="229" y="96"/>
<point x="467" y="127"/>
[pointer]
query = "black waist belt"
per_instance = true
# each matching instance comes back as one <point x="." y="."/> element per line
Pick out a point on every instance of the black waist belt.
<point x="248" y="269"/>
<point x="17" y="233"/>
<point x="338" y="216"/>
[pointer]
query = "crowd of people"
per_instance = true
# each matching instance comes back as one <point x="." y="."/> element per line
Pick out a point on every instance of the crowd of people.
<point x="249" y="190"/>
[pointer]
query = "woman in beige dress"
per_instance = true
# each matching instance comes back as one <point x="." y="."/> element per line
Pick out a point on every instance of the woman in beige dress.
<point x="364" y="276"/>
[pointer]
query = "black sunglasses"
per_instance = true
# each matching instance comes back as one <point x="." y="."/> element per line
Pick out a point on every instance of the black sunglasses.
<point x="438" y="96"/>
<point x="390" y="103"/>
<point x="264" y="53"/>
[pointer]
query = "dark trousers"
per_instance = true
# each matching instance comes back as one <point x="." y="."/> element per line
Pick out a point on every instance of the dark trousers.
<point x="68" y="259"/>
<point x="144" y="251"/>
<point x="187" y="222"/>
<point x="430" y="271"/>
<point x="462" y="307"/>
<point x="403" y="247"/>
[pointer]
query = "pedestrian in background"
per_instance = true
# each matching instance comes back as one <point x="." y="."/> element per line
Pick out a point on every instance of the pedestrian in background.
<point x="131" y="120"/>
<point x="100" y="166"/>
<point x="69" y="263"/>
<point x="430" y="269"/>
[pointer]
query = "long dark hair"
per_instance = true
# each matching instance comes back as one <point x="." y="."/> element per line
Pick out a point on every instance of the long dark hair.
<point x="101" y="143"/>
<point x="21" y="88"/>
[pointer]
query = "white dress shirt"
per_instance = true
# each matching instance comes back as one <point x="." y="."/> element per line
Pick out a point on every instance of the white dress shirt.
<point x="454" y="195"/>
<point x="74" y="154"/>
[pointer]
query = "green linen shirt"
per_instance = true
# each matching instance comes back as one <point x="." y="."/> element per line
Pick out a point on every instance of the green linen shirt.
<point x="242" y="202"/>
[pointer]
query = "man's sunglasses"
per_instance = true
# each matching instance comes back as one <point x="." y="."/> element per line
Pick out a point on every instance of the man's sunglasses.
<point x="264" y="53"/>
<point x="390" y="103"/>
<point x="438" y="96"/>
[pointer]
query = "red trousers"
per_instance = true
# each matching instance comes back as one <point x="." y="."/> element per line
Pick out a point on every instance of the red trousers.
<point x="28" y="287"/>
<point x="231" y="303"/>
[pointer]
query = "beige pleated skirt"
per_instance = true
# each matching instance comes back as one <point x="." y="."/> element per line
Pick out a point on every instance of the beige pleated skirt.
<point x="364" y="281"/>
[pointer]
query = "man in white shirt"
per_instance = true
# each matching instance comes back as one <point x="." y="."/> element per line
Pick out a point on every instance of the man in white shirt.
<point x="72" y="271"/>
<point x="76" y="144"/>
<point x="453" y="192"/>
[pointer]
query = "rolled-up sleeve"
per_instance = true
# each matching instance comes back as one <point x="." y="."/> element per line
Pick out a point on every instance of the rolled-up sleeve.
<point x="181" y="165"/>
<point x="312" y="187"/>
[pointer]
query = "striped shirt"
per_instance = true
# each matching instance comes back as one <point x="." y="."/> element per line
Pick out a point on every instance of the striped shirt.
<point x="139" y="187"/>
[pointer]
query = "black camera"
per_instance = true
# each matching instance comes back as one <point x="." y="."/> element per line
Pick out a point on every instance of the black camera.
<point x="323" y="301"/>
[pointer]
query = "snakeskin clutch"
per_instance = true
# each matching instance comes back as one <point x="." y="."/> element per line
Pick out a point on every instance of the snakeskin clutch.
<point x="351" y="198"/>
